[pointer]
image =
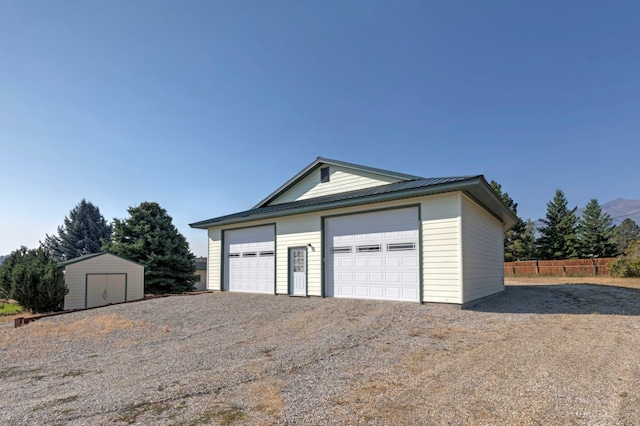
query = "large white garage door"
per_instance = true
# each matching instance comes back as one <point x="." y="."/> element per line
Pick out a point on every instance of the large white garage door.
<point x="250" y="260"/>
<point x="373" y="255"/>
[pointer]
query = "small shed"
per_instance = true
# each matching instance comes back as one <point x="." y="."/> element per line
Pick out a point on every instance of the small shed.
<point x="99" y="279"/>
<point x="201" y="273"/>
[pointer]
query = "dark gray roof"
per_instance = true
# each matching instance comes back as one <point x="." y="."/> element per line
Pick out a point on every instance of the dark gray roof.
<point x="80" y="258"/>
<point x="201" y="263"/>
<point x="321" y="161"/>
<point x="476" y="186"/>
<point x="90" y="256"/>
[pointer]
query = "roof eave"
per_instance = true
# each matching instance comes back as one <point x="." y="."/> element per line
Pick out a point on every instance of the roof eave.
<point x="476" y="186"/>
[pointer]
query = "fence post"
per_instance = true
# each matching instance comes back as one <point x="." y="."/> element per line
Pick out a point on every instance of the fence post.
<point x="595" y="267"/>
<point x="537" y="268"/>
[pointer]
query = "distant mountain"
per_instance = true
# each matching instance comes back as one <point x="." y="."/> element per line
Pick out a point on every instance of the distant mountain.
<point x="2" y="258"/>
<point x="620" y="209"/>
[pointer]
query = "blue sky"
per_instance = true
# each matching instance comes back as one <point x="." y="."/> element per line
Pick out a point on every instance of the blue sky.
<point x="207" y="106"/>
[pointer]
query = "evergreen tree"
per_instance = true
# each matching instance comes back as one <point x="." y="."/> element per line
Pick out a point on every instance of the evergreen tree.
<point x="513" y="245"/>
<point x="36" y="282"/>
<point x="6" y="269"/>
<point x="625" y="234"/>
<point x="558" y="236"/>
<point x="528" y="241"/>
<point x="82" y="233"/>
<point x="595" y="232"/>
<point x="149" y="237"/>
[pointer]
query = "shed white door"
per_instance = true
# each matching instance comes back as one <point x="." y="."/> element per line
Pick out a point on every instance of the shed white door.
<point x="103" y="289"/>
<point x="250" y="260"/>
<point x="373" y="255"/>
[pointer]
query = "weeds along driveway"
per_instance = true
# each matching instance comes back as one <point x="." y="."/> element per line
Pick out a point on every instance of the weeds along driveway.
<point x="535" y="355"/>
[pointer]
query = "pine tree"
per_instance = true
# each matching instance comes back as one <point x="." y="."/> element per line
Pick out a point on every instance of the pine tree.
<point x="149" y="237"/>
<point x="513" y="245"/>
<point x="558" y="237"/>
<point x="528" y="241"/>
<point x="625" y="234"/>
<point x="595" y="232"/>
<point x="6" y="269"/>
<point x="35" y="280"/>
<point x="82" y="233"/>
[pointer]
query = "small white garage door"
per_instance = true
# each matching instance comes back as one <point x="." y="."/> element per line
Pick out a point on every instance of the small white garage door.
<point x="250" y="260"/>
<point x="373" y="255"/>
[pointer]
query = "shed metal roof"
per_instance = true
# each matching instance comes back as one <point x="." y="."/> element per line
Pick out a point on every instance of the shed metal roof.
<point x="90" y="256"/>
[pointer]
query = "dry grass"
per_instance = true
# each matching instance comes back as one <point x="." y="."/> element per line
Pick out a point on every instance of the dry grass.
<point x="48" y="335"/>
<point x="268" y="395"/>
<point x="442" y="332"/>
<point x="85" y="327"/>
<point x="607" y="281"/>
<point x="4" y="319"/>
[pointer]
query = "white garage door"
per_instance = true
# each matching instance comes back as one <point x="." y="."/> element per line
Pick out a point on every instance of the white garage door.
<point x="373" y="255"/>
<point x="250" y="260"/>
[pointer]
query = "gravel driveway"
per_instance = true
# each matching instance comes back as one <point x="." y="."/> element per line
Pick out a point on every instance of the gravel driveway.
<point x="552" y="354"/>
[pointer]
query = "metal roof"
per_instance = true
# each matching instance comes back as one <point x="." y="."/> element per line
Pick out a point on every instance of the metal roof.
<point x="321" y="161"/>
<point x="475" y="186"/>
<point x="90" y="256"/>
<point x="201" y="263"/>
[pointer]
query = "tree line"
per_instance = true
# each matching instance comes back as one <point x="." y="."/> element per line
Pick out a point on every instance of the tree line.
<point x="34" y="279"/>
<point x="564" y="235"/>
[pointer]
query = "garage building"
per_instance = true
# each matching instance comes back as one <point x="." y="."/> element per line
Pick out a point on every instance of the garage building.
<point x="99" y="279"/>
<point x="339" y="229"/>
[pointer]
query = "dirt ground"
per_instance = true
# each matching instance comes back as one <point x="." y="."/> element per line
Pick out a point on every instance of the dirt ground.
<point x="549" y="351"/>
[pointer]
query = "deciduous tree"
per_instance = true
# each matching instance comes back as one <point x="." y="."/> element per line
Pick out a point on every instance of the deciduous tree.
<point x="625" y="234"/>
<point x="149" y="237"/>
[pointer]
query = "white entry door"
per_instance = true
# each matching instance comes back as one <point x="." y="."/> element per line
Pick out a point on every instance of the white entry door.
<point x="298" y="271"/>
<point x="373" y="255"/>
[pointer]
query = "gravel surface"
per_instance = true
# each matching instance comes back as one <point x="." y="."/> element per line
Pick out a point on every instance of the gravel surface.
<point x="538" y="354"/>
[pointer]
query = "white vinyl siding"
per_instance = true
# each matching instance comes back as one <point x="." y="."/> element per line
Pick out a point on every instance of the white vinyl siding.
<point x="340" y="180"/>
<point x="299" y="231"/>
<point x="75" y="277"/>
<point x="452" y="228"/>
<point x="213" y="259"/>
<point x="482" y="251"/>
<point x="441" y="249"/>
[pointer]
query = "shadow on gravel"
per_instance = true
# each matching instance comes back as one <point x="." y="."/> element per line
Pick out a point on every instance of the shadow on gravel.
<point x="564" y="299"/>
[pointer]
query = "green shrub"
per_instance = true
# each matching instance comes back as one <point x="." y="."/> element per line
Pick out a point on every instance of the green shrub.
<point x="628" y="265"/>
<point x="624" y="267"/>
<point x="37" y="283"/>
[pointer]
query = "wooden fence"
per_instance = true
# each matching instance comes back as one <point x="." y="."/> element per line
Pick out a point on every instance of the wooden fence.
<point x="569" y="267"/>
